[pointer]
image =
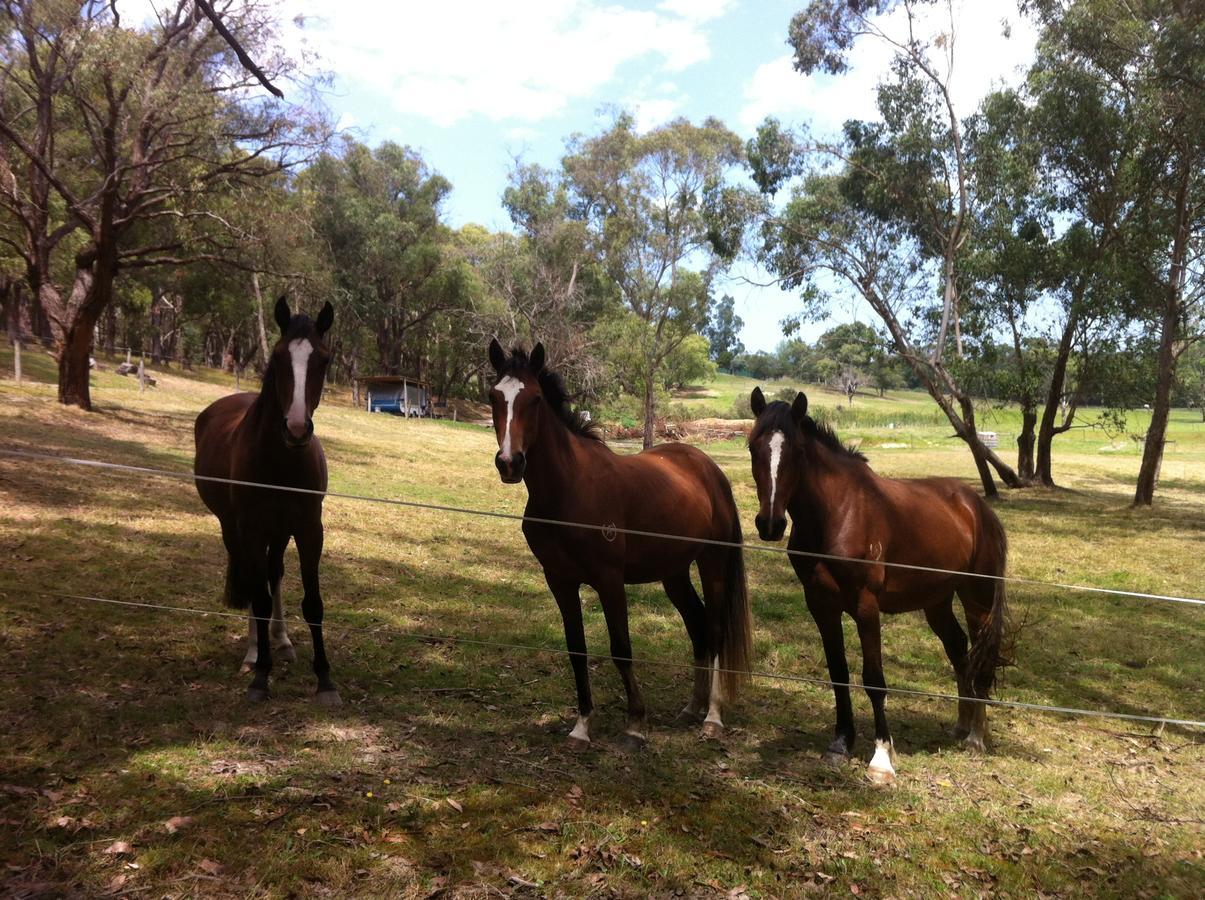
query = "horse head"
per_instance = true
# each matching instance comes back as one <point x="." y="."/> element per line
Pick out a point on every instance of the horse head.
<point x="515" y="400"/>
<point x="298" y="370"/>
<point x="776" y="448"/>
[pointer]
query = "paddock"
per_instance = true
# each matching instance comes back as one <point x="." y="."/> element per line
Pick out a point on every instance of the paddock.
<point x="134" y="762"/>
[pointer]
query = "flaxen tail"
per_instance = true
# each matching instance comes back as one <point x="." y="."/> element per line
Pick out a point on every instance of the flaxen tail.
<point x="736" y="625"/>
<point x="993" y="647"/>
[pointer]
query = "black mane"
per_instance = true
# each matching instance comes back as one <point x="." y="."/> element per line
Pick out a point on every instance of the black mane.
<point x="555" y="392"/>
<point x="777" y="417"/>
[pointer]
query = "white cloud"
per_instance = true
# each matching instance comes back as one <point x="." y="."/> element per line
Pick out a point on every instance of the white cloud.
<point x="524" y="61"/>
<point x="983" y="58"/>
<point x="697" y="10"/>
<point x="651" y="113"/>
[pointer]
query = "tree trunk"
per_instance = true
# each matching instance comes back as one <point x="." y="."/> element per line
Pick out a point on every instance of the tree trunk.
<point x="1054" y="395"/>
<point x="1156" y="434"/>
<point x="650" y="409"/>
<point x="1025" y="445"/>
<point x="264" y="351"/>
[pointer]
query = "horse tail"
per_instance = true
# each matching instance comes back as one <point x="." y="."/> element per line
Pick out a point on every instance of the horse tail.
<point x="735" y="621"/>
<point x="993" y="647"/>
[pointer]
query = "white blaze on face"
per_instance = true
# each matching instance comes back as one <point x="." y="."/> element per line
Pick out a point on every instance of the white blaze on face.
<point x="509" y="387"/>
<point x="776" y="441"/>
<point x="299" y="353"/>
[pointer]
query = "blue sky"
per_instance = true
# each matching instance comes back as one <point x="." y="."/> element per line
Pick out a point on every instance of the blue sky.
<point x="474" y="84"/>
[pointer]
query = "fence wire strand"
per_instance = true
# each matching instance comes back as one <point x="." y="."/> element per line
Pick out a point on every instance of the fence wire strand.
<point x="608" y="530"/>
<point x="558" y="651"/>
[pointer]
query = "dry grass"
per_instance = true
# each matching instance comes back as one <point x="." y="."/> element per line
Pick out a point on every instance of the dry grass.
<point x="444" y="770"/>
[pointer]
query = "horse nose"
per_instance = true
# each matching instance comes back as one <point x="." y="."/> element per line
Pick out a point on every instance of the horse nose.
<point x="297" y="429"/>
<point x="770" y="529"/>
<point x="511" y="470"/>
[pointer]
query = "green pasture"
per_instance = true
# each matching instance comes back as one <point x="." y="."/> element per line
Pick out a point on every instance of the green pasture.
<point x="132" y="765"/>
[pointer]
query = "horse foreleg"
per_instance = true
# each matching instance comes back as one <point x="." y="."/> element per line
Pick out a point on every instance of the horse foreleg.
<point x="694" y="616"/>
<point x="309" y="551"/>
<point x="615" y="609"/>
<point x="945" y="625"/>
<point x="882" y="768"/>
<point x="281" y="644"/>
<point x="827" y="615"/>
<point x="568" y="600"/>
<point x="252" y="583"/>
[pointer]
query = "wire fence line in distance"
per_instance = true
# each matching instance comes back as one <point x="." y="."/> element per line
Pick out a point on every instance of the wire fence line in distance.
<point x="1149" y="718"/>
<point x="608" y="530"/>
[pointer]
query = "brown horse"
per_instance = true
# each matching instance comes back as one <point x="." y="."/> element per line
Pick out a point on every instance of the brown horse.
<point x="268" y="438"/>
<point x="840" y="507"/>
<point x="571" y="475"/>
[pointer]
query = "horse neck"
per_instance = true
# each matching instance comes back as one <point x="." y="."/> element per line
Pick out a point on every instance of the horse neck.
<point x="553" y="459"/>
<point x="266" y="413"/>
<point x="821" y="469"/>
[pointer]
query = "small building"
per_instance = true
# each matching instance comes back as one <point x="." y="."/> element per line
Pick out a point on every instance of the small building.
<point x="397" y="394"/>
<point x="989" y="439"/>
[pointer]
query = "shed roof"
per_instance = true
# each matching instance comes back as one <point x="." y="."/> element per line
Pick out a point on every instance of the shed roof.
<point x="391" y="379"/>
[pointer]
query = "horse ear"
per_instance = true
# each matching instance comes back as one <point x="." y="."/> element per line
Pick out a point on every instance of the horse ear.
<point x="757" y="401"/>
<point x="283" y="316"/>
<point x="326" y="319"/>
<point x="537" y="359"/>
<point x="799" y="408"/>
<point x="497" y="356"/>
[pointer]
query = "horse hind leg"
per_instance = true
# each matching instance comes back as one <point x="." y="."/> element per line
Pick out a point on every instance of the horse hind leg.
<point x="977" y="605"/>
<point x="694" y="615"/>
<point x="711" y="573"/>
<point x="945" y="625"/>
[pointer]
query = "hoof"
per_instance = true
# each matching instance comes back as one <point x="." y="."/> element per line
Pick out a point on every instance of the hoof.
<point x="631" y="742"/>
<point x="880" y="776"/>
<point x="328" y="698"/>
<point x="247" y="667"/>
<point x="961" y="732"/>
<point x="576" y="745"/>
<point x="835" y="759"/>
<point x="257" y="695"/>
<point x="975" y="744"/>
<point x="713" y="731"/>
<point x="285" y="653"/>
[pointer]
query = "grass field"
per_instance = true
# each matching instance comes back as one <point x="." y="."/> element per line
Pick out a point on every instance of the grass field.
<point x="133" y="766"/>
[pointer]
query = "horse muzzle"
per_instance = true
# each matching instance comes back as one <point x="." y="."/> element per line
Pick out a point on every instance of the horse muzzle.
<point x="770" y="528"/>
<point x="511" y="470"/>
<point x="298" y="442"/>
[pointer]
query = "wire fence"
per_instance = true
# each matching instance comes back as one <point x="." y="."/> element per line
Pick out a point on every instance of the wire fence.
<point x="560" y="651"/>
<point x="609" y="531"/>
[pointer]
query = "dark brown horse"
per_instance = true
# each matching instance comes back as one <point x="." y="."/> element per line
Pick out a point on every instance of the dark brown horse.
<point x="839" y="507"/>
<point x="571" y="475"/>
<point x="268" y="438"/>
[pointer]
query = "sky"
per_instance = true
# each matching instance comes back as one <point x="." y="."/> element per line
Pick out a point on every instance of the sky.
<point x="475" y="85"/>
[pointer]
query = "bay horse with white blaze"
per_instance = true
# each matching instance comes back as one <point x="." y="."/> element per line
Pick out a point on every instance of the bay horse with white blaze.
<point x="571" y="475"/>
<point x="839" y="507"/>
<point x="268" y="438"/>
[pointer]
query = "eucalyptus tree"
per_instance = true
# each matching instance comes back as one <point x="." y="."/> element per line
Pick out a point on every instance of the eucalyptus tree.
<point x="665" y="214"/>
<point x="723" y="333"/>
<point x="117" y="138"/>
<point x="1148" y="60"/>
<point x="378" y="212"/>
<point x="906" y="181"/>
